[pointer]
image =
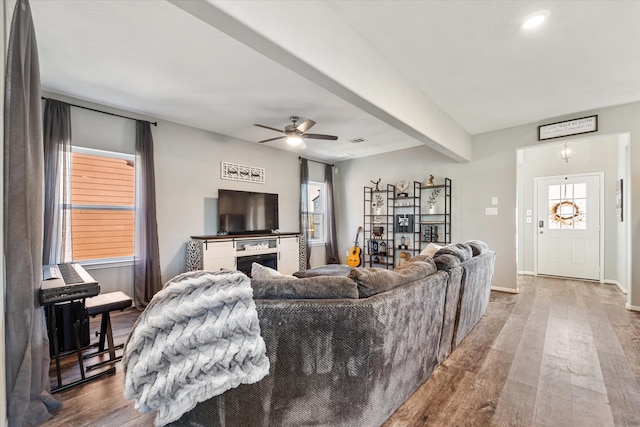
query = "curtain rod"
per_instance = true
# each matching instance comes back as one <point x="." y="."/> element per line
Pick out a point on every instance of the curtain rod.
<point x="316" y="161"/>
<point x="98" y="111"/>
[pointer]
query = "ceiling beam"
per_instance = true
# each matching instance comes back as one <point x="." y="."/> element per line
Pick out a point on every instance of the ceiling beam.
<point x="310" y="39"/>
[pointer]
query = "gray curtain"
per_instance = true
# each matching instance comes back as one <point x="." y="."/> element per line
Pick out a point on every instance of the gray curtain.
<point x="26" y="343"/>
<point x="57" y="178"/>
<point x="146" y="273"/>
<point x="333" y="256"/>
<point x="305" y="219"/>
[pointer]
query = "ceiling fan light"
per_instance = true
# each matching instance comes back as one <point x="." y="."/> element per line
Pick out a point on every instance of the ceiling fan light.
<point x="294" y="140"/>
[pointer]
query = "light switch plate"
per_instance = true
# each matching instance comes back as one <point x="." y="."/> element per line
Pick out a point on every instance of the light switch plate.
<point x="494" y="201"/>
<point x="529" y="212"/>
<point x="528" y="220"/>
<point x="491" y="211"/>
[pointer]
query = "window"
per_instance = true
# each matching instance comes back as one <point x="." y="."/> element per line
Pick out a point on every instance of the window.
<point x="568" y="206"/>
<point x="316" y="211"/>
<point x="102" y="205"/>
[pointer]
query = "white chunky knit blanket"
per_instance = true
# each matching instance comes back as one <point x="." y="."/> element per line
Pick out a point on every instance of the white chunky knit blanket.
<point x="198" y="337"/>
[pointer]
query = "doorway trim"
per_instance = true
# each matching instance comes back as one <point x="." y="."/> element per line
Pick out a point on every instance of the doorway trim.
<point x="600" y="222"/>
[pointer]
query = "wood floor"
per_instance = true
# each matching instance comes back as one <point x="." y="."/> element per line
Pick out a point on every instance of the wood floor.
<point x="560" y="353"/>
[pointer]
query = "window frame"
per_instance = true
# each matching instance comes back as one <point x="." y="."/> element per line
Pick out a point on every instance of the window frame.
<point x="97" y="263"/>
<point x="311" y="214"/>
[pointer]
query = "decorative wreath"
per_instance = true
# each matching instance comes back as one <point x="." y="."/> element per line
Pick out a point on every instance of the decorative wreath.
<point x="559" y="213"/>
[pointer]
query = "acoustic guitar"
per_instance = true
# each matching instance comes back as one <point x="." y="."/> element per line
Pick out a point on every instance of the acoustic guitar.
<point x="354" y="260"/>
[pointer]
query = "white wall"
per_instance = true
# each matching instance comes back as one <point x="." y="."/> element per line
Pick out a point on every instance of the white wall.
<point x="187" y="164"/>
<point x="187" y="169"/>
<point x="491" y="173"/>
<point x="623" y="229"/>
<point x="472" y="190"/>
<point x="188" y="176"/>
<point x="592" y="154"/>
<point x="413" y="164"/>
<point x="496" y="152"/>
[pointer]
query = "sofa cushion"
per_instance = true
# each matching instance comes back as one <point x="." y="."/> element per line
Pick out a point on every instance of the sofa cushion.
<point x="423" y="258"/>
<point x="324" y="270"/>
<point x="431" y="249"/>
<point x="373" y="281"/>
<point x="478" y="247"/>
<point x="446" y="261"/>
<point x="319" y="287"/>
<point x="259" y="271"/>
<point x="460" y="250"/>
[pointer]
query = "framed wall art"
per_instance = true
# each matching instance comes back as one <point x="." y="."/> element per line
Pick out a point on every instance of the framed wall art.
<point x="568" y="127"/>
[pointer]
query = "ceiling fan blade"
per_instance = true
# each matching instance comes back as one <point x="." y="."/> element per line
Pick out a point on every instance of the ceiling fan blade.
<point x="305" y="126"/>
<point x="272" y="139"/>
<point x="267" y="127"/>
<point x="319" y="136"/>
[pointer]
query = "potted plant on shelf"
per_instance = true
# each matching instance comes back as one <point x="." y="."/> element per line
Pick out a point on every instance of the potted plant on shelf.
<point x="432" y="200"/>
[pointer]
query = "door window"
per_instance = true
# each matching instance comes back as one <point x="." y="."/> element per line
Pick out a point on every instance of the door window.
<point x="568" y="206"/>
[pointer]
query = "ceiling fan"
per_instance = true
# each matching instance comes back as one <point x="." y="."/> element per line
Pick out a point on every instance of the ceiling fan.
<point x="294" y="133"/>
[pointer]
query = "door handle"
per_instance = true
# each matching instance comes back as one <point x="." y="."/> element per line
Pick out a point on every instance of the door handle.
<point x="540" y="224"/>
<point x="541" y="232"/>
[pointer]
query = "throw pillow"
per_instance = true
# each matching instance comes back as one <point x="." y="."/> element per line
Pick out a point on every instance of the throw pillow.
<point x="461" y="250"/>
<point x="259" y="271"/>
<point x="446" y="261"/>
<point x="320" y="287"/>
<point x="324" y="270"/>
<point x="478" y="247"/>
<point x="431" y="249"/>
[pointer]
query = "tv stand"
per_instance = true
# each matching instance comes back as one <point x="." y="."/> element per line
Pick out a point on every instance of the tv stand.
<point x="235" y="252"/>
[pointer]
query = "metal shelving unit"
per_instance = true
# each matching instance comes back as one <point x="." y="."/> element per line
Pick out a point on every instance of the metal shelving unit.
<point x="378" y="227"/>
<point x="388" y="218"/>
<point x="436" y="226"/>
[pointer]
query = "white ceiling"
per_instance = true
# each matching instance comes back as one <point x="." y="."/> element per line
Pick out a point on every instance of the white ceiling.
<point x="469" y="58"/>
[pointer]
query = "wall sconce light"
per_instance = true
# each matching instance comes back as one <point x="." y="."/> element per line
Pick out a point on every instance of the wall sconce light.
<point x="566" y="151"/>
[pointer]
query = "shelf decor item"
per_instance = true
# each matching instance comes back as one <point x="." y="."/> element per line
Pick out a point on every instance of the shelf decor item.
<point x="432" y="199"/>
<point x="404" y="223"/>
<point x="383" y="248"/>
<point x="430" y="233"/>
<point x="378" y="204"/>
<point x="378" y="231"/>
<point x="402" y="188"/>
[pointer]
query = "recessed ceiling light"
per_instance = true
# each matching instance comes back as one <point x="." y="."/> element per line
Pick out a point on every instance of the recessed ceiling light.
<point x="534" y="20"/>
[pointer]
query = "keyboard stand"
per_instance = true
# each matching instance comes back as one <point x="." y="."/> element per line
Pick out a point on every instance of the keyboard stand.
<point x="53" y="335"/>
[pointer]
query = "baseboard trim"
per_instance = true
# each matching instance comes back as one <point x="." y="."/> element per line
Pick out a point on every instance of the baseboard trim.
<point x="508" y="290"/>
<point x="618" y="285"/>
<point x="632" y="307"/>
<point x="526" y="273"/>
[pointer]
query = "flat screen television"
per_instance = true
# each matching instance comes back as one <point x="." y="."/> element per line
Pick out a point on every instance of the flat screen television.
<point x="247" y="212"/>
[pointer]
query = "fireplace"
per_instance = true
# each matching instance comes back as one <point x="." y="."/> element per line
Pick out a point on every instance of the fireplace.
<point x="268" y="260"/>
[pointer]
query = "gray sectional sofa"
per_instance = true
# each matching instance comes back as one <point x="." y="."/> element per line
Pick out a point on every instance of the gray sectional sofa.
<point x="347" y="349"/>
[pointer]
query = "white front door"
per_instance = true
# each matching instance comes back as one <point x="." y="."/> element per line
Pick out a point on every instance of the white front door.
<point x="568" y="226"/>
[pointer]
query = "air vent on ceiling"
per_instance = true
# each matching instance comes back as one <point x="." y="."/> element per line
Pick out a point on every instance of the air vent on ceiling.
<point x="357" y="140"/>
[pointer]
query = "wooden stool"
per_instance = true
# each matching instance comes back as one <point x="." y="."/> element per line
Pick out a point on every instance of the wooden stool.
<point x="105" y="304"/>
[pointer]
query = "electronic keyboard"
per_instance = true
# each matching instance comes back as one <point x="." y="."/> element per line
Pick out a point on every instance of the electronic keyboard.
<point x="66" y="282"/>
